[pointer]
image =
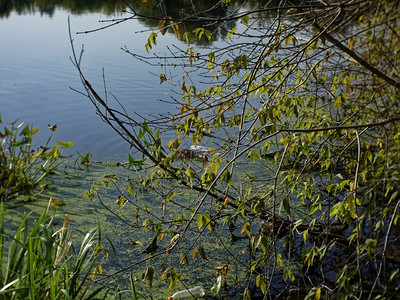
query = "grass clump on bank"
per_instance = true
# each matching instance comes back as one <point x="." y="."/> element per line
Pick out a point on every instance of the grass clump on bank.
<point x="41" y="262"/>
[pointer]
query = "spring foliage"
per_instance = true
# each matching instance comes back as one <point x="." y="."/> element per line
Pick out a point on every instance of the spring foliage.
<point x="299" y="109"/>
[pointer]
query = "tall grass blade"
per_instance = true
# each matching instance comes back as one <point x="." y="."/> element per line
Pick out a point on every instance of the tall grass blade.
<point x="1" y="238"/>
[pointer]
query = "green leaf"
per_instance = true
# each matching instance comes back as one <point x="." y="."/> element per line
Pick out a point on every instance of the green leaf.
<point x="226" y="176"/>
<point x="153" y="38"/>
<point x="208" y="35"/>
<point x="184" y="260"/>
<point x="148" y="276"/>
<point x="190" y="173"/>
<point x="202" y="253"/>
<point x="393" y="275"/>
<point x="199" y="32"/>
<point x="279" y="260"/>
<point x="187" y="37"/>
<point x="134" y="162"/>
<point x="162" y="27"/>
<point x="129" y="191"/>
<point x="85" y="159"/>
<point x="265" y="244"/>
<point x="286" y="205"/>
<point x="148" y="47"/>
<point x="66" y="144"/>
<point x="8" y="132"/>
<point x="247" y="229"/>
<point x="287" y="274"/>
<point x="194" y="252"/>
<point x="246" y="294"/>
<point x="25" y="131"/>
<point x="172" y="283"/>
<point x="199" y="221"/>
<point x="318" y="294"/>
<point x="245" y="19"/>
<point x="231" y="32"/>
<point x="35" y="130"/>
<point x="170" y="196"/>
<point x="207" y="221"/>
<point x="175" y="28"/>
<point x="261" y="283"/>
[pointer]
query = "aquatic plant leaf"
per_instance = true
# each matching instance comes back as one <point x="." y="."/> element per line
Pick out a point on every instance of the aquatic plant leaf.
<point x="66" y="144"/>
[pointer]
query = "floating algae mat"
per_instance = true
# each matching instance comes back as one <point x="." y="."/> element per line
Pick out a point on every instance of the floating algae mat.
<point x="129" y="214"/>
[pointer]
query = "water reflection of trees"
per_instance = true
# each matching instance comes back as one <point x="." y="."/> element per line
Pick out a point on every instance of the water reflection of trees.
<point x="208" y="14"/>
<point x="183" y="10"/>
<point x="48" y="7"/>
<point x="154" y="9"/>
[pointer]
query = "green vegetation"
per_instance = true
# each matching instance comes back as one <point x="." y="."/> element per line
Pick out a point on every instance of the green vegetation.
<point x="300" y="116"/>
<point x="43" y="263"/>
<point x="39" y="261"/>
<point x="291" y="188"/>
<point x="23" y="166"/>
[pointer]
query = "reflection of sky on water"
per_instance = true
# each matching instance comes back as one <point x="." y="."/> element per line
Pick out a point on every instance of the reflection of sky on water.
<point x="36" y="73"/>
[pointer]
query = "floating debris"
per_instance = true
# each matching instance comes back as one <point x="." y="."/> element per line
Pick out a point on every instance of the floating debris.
<point x="193" y="293"/>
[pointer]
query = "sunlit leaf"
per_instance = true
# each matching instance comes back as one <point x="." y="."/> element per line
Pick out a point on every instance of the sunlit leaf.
<point x="66" y="144"/>
<point x="226" y="201"/>
<point x="56" y="202"/>
<point x="199" y="221"/>
<point x="245" y="19"/>
<point x="163" y="78"/>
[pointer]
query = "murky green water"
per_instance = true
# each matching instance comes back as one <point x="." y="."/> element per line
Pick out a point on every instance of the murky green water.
<point x="122" y="226"/>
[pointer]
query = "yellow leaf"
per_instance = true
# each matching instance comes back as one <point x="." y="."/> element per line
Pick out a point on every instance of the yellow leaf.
<point x="161" y="237"/>
<point x="56" y="202"/>
<point x="163" y="28"/>
<point x="318" y="294"/>
<point x="226" y="201"/>
<point x="194" y="252"/>
<point x="246" y="228"/>
<point x="38" y="154"/>
<point x="351" y="187"/>
<point x="66" y="220"/>
<point x="163" y="78"/>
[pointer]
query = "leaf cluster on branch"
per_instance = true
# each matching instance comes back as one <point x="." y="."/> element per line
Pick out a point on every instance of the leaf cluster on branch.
<point x="294" y="124"/>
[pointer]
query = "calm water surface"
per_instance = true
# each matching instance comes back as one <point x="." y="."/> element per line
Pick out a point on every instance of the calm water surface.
<point x="36" y="75"/>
